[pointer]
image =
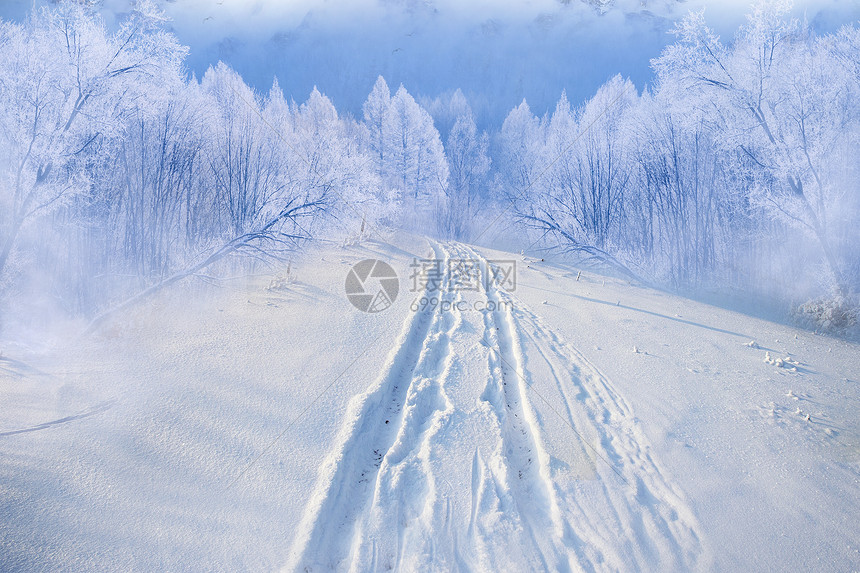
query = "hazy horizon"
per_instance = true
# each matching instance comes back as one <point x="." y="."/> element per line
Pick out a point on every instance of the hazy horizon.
<point x="497" y="53"/>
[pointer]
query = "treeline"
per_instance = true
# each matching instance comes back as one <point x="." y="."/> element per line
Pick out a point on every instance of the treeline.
<point x="737" y="168"/>
<point x="120" y="172"/>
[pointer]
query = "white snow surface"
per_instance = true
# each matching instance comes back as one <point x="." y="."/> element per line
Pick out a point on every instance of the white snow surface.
<point x="248" y="428"/>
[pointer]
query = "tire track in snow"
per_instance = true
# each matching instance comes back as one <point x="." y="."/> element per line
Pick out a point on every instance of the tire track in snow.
<point x="661" y="530"/>
<point x="385" y="430"/>
<point x="525" y="461"/>
<point x="377" y="503"/>
<point x="644" y="521"/>
<point x="402" y="522"/>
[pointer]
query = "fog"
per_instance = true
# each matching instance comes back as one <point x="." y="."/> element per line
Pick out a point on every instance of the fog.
<point x="572" y="128"/>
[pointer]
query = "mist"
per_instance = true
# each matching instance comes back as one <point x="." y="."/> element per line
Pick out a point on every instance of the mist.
<point x="480" y="123"/>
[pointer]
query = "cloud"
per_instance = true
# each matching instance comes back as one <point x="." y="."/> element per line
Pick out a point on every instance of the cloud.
<point x="497" y="52"/>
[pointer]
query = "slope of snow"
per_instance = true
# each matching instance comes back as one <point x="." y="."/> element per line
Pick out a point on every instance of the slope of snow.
<point x="575" y="423"/>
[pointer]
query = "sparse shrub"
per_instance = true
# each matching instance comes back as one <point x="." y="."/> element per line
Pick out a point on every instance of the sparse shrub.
<point x="834" y="314"/>
<point x="283" y="280"/>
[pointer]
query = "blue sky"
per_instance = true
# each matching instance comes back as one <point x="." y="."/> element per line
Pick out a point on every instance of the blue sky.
<point x="497" y="52"/>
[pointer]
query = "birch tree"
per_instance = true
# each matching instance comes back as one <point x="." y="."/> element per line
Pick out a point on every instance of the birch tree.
<point x="67" y="85"/>
<point x="779" y="95"/>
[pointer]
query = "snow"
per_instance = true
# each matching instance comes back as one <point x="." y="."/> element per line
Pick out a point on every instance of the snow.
<point x="243" y="427"/>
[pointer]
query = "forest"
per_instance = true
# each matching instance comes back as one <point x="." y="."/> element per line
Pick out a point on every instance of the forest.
<point x="733" y="171"/>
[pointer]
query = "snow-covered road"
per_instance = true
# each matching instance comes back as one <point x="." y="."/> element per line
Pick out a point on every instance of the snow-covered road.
<point x="459" y="458"/>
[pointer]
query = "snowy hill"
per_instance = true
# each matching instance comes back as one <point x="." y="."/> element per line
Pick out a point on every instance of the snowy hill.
<point x="574" y="422"/>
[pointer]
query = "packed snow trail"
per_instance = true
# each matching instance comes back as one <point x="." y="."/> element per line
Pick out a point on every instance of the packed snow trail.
<point x="463" y="456"/>
<point x="374" y="429"/>
<point x="630" y="517"/>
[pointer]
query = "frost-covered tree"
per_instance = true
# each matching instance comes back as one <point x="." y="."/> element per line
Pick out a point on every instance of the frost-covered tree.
<point x="706" y="178"/>
<point x="602" y="167"/>
<point x="121" y="175"/>
<point x="376" y="117"/>
<point x="159" y="212"/>
<point x="782" y="97"/>
<point x="67" y="86"/>
<point x="415" y="159"/>
<point x="240" y="150"/>
<point x="569" y="173"/>
<point x="468" y="164"/>
<point x="520" y="152"/>
<point x="446" y="109"/>
<point x="407" y="153"/>
<point x="332" y="165"/>
<point x="682" y="217"/>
